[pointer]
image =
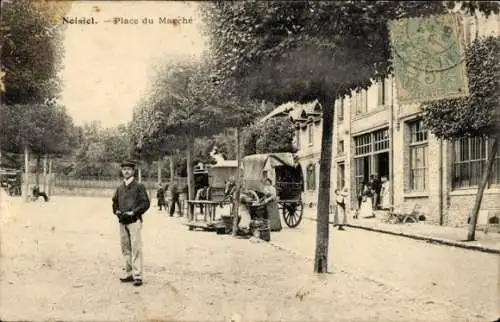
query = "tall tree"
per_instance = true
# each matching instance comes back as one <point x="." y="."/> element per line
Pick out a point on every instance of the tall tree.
<point x="98" y="151"/>
<point x="185" y="102"/>
<point x="476" y="115"/>
<point x="147" y="144"/>
<point x="301" y="51"/>
<point x="32" y="50"/>
<point x="44" y="129"/>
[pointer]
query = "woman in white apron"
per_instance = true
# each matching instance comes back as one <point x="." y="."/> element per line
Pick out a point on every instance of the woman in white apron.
<point x="366" y="210"/>
<point x="385" y="202"/>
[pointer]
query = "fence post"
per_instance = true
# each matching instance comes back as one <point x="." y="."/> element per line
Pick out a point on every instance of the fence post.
<point x="236" y="201"/>
<point x="45" y="173"/>
<point x="51" y="178"/>
<point x="26" y="175"/>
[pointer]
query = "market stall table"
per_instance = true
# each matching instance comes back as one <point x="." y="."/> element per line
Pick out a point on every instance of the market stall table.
<point x="209" y="207"/>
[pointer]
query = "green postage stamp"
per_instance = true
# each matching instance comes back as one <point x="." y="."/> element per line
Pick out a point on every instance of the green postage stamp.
<point x="429" y="58"/>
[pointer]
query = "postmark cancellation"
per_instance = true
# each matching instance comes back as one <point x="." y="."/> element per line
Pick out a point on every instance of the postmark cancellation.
<point x="429" y="58"/>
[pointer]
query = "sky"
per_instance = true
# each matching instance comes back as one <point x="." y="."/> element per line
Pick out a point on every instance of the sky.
<point x="107" y="66"/>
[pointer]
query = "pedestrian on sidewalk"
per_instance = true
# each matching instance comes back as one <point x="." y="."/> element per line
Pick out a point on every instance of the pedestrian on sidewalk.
<point x="160" y="195"/>
<point x="340" y="209"/>
<point x="361" y="190"/>
<point x="376" y="185"/>
<point x="366" y="209"/>
<point x="130" y="202"/>
<point x="385" y="202"/>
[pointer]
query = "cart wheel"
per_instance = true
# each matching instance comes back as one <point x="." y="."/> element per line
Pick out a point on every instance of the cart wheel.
<point x="292" y="214"/>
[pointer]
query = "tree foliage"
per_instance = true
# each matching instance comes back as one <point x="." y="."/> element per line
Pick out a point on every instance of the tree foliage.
<point x="273" y="136"/>
<point x="185" y="101"/>
<point x="478" y="113"/>
<point x="44" y="129"/>
<point x="32" y="50"/>
<point x="184" y="104"/>
<point x="284" y="50"/>
<point x="226" y="144"/>
<point x="277" y="136"/>
<point x="250" y="136"/>
<point x="100" y="151"/>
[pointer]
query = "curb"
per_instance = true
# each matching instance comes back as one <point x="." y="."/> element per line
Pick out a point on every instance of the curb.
<point x="424" y="238"/>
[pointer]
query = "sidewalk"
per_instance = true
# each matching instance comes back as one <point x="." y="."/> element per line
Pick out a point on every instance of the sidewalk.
<point x="450" y="236"/>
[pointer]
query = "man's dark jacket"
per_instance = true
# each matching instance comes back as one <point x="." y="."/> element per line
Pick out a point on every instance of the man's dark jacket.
<point x="131" y="198"/>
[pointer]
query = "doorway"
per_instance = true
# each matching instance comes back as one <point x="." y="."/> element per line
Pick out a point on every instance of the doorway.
<point x="362" y="171"/>
<point x="381" y="164"/>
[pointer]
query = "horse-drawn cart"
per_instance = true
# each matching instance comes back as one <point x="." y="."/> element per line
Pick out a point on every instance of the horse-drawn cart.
<point x="283" y="171"/>
<point x="286" y="173"/>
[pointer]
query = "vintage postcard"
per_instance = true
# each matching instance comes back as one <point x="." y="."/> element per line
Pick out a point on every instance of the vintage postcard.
<point x="249" y="161"/>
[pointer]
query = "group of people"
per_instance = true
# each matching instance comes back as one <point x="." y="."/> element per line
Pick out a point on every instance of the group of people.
<point x="373" y="195"/>
<point x="267" y="200"/>
<point x="174" y="190"/>
<point x="174" y="199"/>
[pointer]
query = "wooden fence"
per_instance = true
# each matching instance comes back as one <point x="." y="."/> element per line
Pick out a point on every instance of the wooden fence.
<point x="104" y="187"/>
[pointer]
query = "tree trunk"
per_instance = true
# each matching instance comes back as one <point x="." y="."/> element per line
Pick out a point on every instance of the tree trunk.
<point x="139" y="174"/>
<point x="323" y="215"/>
<point x="471" y="234"/>
<point x="159" y="170"/>
<point x="51" y="178"/>
<point x="45" y="173"/>
<point x="172" y="168"/>
<point x="37" y="170"/>
<point x="236" y="201"/>
<point x="26" y="174"/>
<point x="189" y="166"/>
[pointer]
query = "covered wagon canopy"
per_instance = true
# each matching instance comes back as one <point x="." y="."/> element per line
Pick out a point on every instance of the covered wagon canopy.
<point x="221" y="171"/>
<point x="257" y="166"/>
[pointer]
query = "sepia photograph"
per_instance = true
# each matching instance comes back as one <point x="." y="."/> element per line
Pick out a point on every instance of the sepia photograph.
<point x="238" y="161"/>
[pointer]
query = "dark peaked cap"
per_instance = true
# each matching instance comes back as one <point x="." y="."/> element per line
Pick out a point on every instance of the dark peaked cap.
<point x="128" y="163"/>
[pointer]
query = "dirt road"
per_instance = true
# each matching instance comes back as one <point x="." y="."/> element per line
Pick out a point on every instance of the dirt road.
<point x="61" y="261"/>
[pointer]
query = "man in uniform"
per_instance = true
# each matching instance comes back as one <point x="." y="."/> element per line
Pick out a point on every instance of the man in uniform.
<point x="130" y="202"/>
